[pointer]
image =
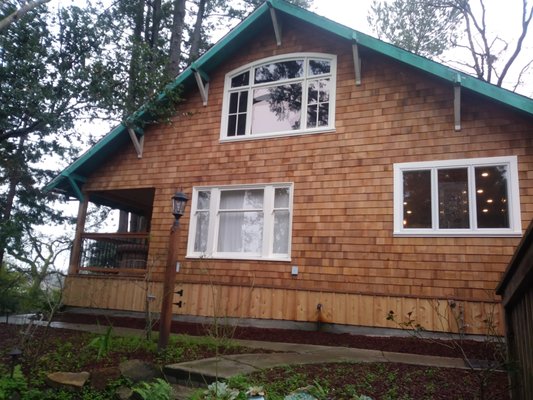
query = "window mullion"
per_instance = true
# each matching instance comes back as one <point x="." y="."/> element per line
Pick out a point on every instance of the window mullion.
<point x="472" y="201"/>
<point x="303" y="111"/>
<point x="434" y="199"/>
<point x="191" y="242"/>
<point x="268" y="218"/>
<point x="249" y="104"/>
<point x="214" y="215"/>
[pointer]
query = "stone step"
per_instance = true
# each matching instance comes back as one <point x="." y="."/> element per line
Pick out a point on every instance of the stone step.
<point x="201" y="373"/>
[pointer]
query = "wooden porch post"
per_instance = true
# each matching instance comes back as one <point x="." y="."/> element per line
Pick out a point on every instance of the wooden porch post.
<point x="80" y="227"/>
<point x="165" y="319"/>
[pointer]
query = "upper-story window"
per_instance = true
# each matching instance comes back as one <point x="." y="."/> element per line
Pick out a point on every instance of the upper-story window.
<point x="476" y="197"/>
<point x="283" y="95"/>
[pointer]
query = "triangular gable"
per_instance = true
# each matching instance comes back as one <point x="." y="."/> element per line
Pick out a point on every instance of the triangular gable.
<point x="70" y="179"/>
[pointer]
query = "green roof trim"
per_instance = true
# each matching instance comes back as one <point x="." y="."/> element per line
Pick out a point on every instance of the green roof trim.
<point x="233" y="41"/>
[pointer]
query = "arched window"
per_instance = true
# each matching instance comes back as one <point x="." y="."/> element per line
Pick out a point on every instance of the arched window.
<point x="282" y="95"/>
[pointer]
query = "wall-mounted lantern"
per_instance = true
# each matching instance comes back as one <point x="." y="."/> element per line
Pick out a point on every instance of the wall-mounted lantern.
<point x="179" y="202"/>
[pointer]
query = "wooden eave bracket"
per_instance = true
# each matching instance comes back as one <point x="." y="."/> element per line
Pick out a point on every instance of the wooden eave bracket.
<point x="356" y="60"/>
<point x="457" y="103"/>
<point x="275" y="23"/>
<point x="72" y="179"/>
<point x="138" y="141"/>
<point x="200" y="77"/>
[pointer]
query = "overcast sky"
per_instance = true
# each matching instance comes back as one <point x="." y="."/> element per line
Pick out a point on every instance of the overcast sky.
<point x="503" y="20"/>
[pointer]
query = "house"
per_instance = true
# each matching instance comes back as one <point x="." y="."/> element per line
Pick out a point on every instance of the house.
<point x="331" y="176"/>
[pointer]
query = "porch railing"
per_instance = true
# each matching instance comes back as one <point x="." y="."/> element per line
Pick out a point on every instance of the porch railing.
<point x="113" y="253"/>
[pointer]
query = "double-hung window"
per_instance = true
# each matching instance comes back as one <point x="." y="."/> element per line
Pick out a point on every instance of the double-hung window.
<point x="241" y="222"/>
<point x="477" y="197"/>
<point x="282" y="95"/>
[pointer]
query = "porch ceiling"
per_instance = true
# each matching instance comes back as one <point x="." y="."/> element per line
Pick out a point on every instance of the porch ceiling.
<point x="138" y="201"/>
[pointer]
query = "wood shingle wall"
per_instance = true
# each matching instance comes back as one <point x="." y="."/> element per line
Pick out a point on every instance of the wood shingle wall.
<point x="342" y="228"/>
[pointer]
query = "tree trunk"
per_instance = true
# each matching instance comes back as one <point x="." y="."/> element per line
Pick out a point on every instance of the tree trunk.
<point x="197" y="32"/>
<point x="10" y="198"/>
<point x="178" y="20"/>
<point x="135" y="58"/>
<point x="156" y="23"/>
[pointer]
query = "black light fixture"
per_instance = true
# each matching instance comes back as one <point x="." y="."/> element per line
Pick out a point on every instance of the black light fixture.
<point x="179" y="201"/>
<point x="15" y="353"/>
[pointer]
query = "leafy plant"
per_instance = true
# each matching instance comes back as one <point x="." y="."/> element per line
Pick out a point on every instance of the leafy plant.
<point x="157" y="390"/>
<point x="220" y="391"/>
<point x="10" y="385"/>
<point x="255" y="391"/>
<point x="102" y="343"/>
<point x="319" y="391"/>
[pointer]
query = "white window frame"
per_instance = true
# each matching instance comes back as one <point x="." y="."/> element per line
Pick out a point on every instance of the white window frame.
<point x="214" y="214"/>
<point x="511" y="162"/>
<point x="305" y="79"/>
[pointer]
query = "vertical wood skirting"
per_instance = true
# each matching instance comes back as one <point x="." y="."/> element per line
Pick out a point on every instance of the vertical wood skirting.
<point x="226" y="301"/>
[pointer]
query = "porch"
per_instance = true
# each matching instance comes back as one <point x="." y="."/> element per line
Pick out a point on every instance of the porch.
<point x="112" y="233"/>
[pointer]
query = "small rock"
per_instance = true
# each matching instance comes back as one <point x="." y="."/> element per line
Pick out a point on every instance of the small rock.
<point x="67" y="380"/>
<point x="139" y="371"/>
<point x="123" y="393"/>
<point x="182" y="392"/>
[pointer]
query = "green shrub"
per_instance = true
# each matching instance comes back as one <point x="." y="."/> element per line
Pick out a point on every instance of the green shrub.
<point x="9" y="385"/>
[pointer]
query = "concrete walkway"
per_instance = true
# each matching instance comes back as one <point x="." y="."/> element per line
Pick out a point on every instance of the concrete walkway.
<point x="208" y="370"/>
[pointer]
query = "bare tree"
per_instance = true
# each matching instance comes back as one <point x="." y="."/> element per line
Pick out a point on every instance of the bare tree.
<point x="488" y="54"/>
<point x="430" y="27"/>
<point x="39" y="256"/>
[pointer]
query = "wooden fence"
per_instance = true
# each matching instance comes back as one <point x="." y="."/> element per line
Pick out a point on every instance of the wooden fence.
<point x="516" y="289"/>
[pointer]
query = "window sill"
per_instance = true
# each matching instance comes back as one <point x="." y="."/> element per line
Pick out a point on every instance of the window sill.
<point x="237" y="257"/>
<point x="275" y="135"/>
<point x="431" y="233"/>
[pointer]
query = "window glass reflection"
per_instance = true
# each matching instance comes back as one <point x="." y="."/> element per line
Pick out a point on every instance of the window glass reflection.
<point x="417" y="199"/>
<point x="240" y="80"/>
<point x="237" y="113"/>
<point x="277" y="108"/>
<point x="319" y="67"/>
<point x="279" y="71"/>
<point x="453" y="198"/>
<point x="318" y="103"/>
<point x="492" y="204"/>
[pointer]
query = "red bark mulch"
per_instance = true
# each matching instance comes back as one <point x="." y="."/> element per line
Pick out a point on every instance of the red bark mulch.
<point x="479" y="350"/>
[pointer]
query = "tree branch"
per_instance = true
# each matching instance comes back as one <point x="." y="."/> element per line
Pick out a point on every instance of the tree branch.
<point x="4" y="135"/>
<point x="518" y="48"/>
<point x="4" y="23"/>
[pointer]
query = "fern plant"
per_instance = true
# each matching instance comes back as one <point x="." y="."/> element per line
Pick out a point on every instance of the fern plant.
<point x="157" y="390"/>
